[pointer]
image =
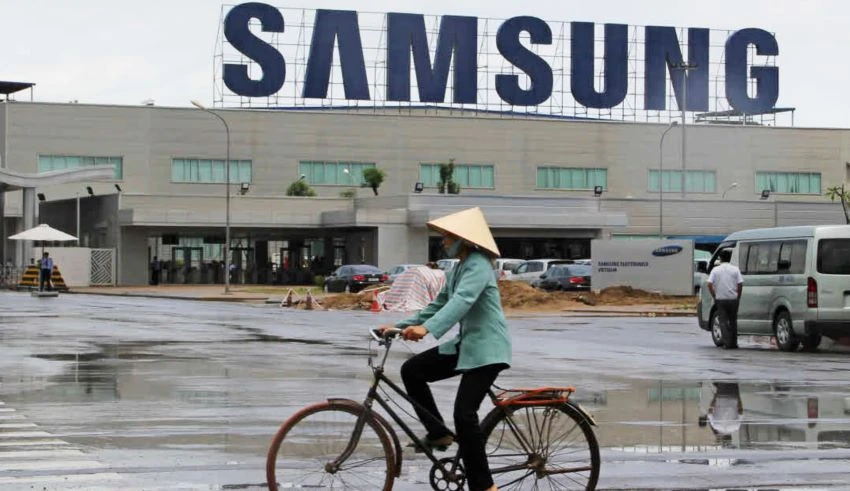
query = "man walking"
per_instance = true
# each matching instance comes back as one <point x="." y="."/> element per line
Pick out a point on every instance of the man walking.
<point x="725" y="284"/>
<point x="156" y="268"/>
<point x="46" y="270"/>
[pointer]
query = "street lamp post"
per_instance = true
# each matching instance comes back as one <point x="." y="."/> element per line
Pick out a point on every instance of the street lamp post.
<point x="661" y="179"/>
<point x="731" y="187"/>
<point x="684" y="67"/>
<point x="227" y="197"/>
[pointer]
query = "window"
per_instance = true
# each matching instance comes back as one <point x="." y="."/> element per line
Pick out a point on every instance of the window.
<point x="61" y="162"/>
<point x="792" y="257"/>
<point x="467" y="176"/>
<point x="788" y="182"/>
<point x="571" y="178"/>
<point x="774" y="257"/>
<point x="333" y="173"/>
<point x="834" y="256"/>
<point x="209" y="171"/>
<point x="696" y="181"/>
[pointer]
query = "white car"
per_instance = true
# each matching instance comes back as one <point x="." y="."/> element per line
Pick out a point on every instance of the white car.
<point x="397" y="270"/>
<point x="504" y="267"/>
<point x="530" y="271"/>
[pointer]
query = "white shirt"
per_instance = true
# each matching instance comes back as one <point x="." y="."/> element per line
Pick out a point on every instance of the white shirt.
<point x="725" y="279"/>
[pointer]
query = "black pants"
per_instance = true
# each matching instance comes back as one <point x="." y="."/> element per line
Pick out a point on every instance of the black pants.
<point x="431" y="366"/>
<point x="727" y="310"/>
<point x="44" y="277"/>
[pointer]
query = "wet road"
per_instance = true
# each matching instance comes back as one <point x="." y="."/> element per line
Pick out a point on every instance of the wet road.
<point x="113" y="393"/>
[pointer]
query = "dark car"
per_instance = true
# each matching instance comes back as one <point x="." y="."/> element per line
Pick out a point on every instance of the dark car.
<point x="351" y="278"/>
<point x="566" y="277"/>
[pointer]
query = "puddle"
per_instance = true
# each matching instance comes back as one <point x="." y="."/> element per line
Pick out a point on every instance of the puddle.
<point x="664" y="417"/>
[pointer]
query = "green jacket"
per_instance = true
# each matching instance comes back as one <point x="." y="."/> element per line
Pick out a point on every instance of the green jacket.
<point x="471" y="297"/>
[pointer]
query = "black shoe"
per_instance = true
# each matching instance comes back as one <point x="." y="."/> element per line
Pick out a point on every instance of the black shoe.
<point x="441" y="444"/>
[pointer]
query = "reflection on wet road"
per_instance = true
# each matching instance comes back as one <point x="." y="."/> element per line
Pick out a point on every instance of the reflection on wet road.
<point x="126" y="393"/>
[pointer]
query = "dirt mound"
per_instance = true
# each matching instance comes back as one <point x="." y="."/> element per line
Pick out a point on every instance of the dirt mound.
<point x="626" y="295"/>
<point x="347" y="301"/>
<point x="518" y="294"/>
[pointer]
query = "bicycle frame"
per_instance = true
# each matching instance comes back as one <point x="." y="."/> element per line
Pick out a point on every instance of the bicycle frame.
<point x="505" y="399"/>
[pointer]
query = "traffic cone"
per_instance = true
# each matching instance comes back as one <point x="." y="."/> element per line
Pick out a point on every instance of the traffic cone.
<point x="375" y="307"/>
<point x="308" y="302"/>
<point x="287" y="302"/>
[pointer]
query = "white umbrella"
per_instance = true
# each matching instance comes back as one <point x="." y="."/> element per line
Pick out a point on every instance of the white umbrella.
<point x="43" y="232"/>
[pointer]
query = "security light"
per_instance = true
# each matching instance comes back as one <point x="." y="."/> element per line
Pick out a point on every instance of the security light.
<point x="597" y="190"/>
<point x="41" y="197"/>
<point x="765" y="193"/>
<point x="418" y="187"/>
<point x="90" y="190"/>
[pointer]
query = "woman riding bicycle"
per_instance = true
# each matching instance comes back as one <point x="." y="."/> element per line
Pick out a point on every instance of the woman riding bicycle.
<point x="478" y="353"/>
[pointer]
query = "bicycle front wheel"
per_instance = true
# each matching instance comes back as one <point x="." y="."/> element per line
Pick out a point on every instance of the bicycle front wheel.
<point x="314" y="449"/>
<point x="541" y="447"/>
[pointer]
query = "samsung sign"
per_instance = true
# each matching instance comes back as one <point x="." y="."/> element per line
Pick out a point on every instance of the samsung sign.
<point x="529" y="80"/>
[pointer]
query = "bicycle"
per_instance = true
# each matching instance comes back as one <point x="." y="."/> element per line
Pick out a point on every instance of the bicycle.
<point x="535" y="438"/>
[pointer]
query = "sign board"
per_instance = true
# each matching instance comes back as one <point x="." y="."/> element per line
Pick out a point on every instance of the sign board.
<point x="269" y="56"/>
<point x="654" y="265"/>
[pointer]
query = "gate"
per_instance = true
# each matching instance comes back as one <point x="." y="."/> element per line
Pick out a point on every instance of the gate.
<point x="102" y="267"/>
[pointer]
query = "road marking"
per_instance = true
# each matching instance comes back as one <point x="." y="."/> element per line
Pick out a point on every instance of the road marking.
<point x="36" y="459"/>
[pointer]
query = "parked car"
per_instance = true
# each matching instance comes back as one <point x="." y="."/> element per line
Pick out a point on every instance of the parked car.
<point x="504" y="267"/>
<point x="567" y="277"/>
<point x="701" y="259"/>
<point x="397" y="270"/>
<point x="351" y="278"/>
<point x="447" y="264"/>
<point x="531" y="270"/>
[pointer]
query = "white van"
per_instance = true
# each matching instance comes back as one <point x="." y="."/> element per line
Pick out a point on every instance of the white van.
<point x="796" y="285"/>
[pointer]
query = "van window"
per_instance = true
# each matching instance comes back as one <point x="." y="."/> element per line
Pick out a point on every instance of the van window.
<point x="535" y="267"/>
<point x="762" y="257"/>
<point x="792" y="257"/>
<point x="834" y="256"/>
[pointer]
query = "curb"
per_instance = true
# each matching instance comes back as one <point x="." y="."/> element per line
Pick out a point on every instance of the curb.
<point x="175" y="297"/>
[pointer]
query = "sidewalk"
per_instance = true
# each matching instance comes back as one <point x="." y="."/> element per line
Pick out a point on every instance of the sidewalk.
<point x="265" y="294"/>
<point x="186" y="292"/>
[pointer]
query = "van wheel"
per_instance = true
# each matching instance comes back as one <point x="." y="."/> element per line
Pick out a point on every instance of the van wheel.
<point x="785" y="337"/>
<point x="812" y="341"/>
<point x="716" y="330"/>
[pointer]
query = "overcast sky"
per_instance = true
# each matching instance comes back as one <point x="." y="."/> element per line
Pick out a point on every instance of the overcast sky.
<point x="125" y="52"/>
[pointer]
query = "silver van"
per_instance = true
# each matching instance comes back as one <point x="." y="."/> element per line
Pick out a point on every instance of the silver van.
<point x="796" y="285"/>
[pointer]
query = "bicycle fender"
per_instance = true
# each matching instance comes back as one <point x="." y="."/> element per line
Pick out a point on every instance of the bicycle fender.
<point x="583" y="412"/>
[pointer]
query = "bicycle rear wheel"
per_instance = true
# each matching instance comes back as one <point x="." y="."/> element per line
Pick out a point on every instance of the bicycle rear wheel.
<point x="541" y="447"/>
<point x="303" y="451"/>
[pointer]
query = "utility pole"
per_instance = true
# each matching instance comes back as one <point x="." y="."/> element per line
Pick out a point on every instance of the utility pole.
<point x="684" y="67"/>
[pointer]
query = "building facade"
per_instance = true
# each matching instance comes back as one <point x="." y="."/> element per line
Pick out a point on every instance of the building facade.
<point x="547" y="185"/>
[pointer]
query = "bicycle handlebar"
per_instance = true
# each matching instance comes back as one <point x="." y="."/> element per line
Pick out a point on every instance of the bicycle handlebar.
<point x="387" y="334"/>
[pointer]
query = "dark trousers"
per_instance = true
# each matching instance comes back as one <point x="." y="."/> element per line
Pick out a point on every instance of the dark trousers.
<point x="44" y="277"/>
<point x="727" y="310"/>
<point x="154" y="277"/>
<point x="431" y="366"/>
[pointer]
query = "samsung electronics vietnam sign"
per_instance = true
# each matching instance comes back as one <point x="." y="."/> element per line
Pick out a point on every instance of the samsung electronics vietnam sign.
<point x="270" y="52"/>
<point x="665" y="266"/>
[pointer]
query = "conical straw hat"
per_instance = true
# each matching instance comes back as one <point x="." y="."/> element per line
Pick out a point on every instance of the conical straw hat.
<point x="470" y="226"/>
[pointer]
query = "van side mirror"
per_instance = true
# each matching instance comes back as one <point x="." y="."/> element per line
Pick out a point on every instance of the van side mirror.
<point x="542" y="276"/>
<point x="702" y="267"/>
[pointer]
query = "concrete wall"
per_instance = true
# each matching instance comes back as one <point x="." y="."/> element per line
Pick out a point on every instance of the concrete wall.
<point x="133" y="266"/>
<point x="73" y="262"/>
<point x="150" y="137"/>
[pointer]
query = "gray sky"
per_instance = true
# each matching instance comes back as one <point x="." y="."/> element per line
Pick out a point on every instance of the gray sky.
<point x="124" y="52"/>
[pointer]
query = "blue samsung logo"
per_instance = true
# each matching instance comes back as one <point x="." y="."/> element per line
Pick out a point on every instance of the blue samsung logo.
<point x="667" y="251"/>
<point x="749" y="88"/>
